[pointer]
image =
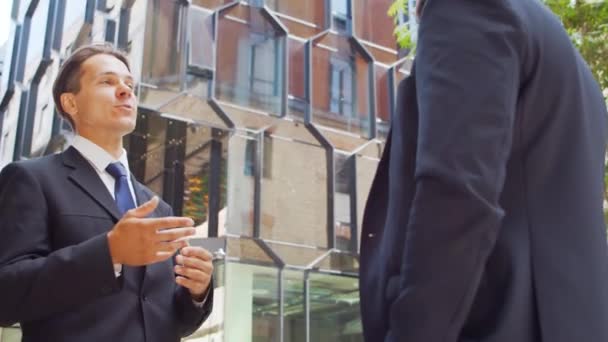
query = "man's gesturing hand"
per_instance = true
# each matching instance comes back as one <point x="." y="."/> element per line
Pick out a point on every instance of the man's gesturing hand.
<point x="194" y="270"/>
<point x="136" y="240"/>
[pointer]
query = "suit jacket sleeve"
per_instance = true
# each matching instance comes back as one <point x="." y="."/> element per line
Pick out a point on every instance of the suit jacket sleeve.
<point x="35" y="280"/>
<point x="190" y="315"/>
<point x="467" y="79"/>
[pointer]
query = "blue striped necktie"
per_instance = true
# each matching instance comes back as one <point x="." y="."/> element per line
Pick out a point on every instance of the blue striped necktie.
<point x="122" y="193"/>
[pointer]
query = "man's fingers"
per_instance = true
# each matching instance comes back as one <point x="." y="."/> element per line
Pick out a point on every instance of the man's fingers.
<point x="197" y="252"/>
<point x="163" y="255"/>
<point x="144" y="209"/>
<point x="168" y="222"/>
<point x="194" y="263"/>
<point x="192" y="285"/>
<point x="167" y="235"/>
<point x="192" y="274"/>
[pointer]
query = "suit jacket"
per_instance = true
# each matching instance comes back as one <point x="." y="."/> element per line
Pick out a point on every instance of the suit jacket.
<point x="484" y="221"/>
<point x="56" y="274"/>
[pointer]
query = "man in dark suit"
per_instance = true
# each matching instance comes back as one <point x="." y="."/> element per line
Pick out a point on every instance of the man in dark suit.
<point x="79" y="260"/>
<point x="485" y="222"/>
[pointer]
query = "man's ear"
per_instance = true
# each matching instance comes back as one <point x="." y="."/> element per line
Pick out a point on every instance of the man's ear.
<point x="68" y="104"/>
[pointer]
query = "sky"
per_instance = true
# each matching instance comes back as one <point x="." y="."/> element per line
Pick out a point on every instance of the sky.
<point x="5" y="19"/>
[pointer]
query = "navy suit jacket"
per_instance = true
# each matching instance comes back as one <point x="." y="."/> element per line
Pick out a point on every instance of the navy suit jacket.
<point x="484" y="221"/>
<point x="56" y="274"/>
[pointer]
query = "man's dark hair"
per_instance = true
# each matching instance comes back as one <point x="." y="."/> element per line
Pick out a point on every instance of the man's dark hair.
<point x="68" y="79"/>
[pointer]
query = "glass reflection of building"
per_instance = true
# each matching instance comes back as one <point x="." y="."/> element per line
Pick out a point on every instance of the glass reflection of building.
<point x="264" y="120"/>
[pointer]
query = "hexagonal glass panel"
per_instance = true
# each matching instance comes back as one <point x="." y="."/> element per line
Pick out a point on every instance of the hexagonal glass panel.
<point x="246" y="250"/>
<point x="341" y="262"/>
<point x="212" y="329"/>
<point x="164" y="51"/>
<point x="45" y="110"/>
<point x="367" y="14"/>
<point x="294" y="307"/>
<point x="10" y="334"/>
<point x="186" y="164"/>
<point x="402" y="69"/>
<point x="152" y="160"/>
<point x="366" y="163"/>
<point x="252" y="306"/>
<point x="9" y="66"/>
<point x="302" y="18"/>
<point x="37" y="33"/>
<point x="384" y="87"/>
<point x="250" y="59"/>
<point x="294" y="201"/>
<point x="296" y="97"/>
<point x="211" y="4"/>
<point x="343" y="195"/>
<point x="242" y="153"/>
<point x="200" y="38"/>
<point x="294" y="255"/>
<point x="9" y="127"/>
<point x="341" y="75"/>
<point x="205" y="177"/>
<point x="334" y="308"/>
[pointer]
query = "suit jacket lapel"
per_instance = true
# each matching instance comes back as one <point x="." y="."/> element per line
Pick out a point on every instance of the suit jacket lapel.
<point x="140" y="195"/>
<point x="85" y="176"/>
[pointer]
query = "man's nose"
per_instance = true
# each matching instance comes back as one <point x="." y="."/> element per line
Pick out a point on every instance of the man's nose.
<point x="124" y="90"/>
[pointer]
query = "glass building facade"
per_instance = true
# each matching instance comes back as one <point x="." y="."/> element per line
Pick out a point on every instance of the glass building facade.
<point x="263" y="120"/>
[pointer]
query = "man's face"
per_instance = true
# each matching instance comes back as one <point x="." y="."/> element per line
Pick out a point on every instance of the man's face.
<point x="105" y="104"/>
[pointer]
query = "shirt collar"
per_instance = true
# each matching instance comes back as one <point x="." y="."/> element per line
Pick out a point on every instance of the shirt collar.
<point x="97" y="156"/>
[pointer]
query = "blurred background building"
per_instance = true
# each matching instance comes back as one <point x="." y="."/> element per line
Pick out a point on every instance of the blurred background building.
<point x="263" y="120"/>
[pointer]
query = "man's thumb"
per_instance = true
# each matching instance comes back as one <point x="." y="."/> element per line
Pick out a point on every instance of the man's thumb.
<point x="145" y="209"/>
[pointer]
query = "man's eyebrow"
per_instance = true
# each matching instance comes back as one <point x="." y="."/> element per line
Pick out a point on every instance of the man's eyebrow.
<point x="111" y="73"/>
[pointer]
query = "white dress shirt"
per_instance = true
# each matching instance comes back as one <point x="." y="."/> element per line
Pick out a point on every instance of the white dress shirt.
<point x="100" y="159"/>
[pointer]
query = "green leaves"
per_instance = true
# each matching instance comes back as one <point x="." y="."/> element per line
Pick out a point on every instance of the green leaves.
<point x="587" y="24"/>
<point x="401" y="32"/>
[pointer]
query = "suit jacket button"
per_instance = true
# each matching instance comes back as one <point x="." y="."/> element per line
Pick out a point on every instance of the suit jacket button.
<point x="144" y="298"/>
<point x="371" y="236"/>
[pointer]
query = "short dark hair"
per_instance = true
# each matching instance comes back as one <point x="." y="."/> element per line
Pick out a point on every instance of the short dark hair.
<point x="68" y="79"/>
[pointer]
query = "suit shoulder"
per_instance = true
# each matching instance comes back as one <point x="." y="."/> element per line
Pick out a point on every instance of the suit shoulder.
<point x="163" y="206"/>
<point x="35" y="165"/>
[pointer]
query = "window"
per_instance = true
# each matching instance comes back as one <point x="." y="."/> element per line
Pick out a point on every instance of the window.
<point x="251" y="157"/>
<point x="263" y="74"/>
<point x="340" y="13"/>
<point x="342" y="88"/>
<point x="110" y="30"/>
